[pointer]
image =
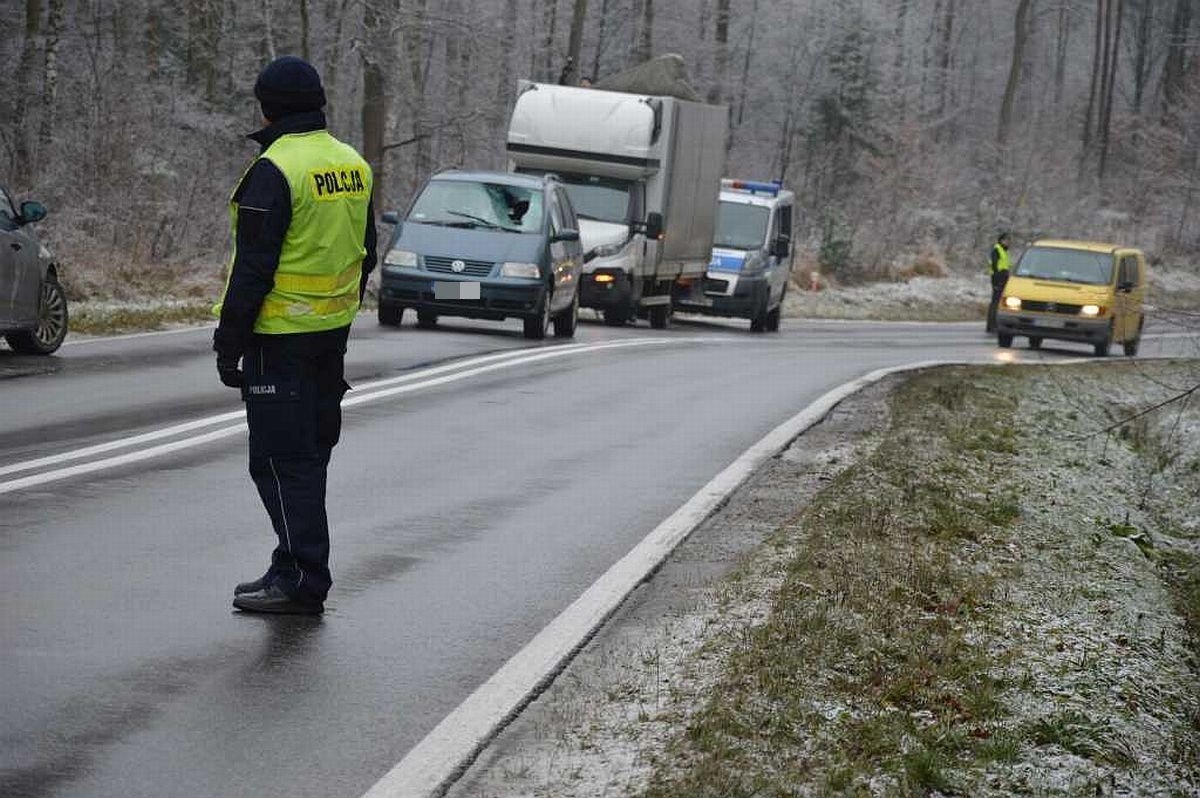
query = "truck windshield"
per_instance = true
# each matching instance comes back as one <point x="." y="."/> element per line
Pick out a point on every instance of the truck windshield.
<point x="1066" y="265"/>
<point x="741" y="226"/>
<point x="599" y="198"/>
<point x="492" y="206"/>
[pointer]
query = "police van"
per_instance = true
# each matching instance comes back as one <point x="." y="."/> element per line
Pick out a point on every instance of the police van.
<point x="751" y="258"/>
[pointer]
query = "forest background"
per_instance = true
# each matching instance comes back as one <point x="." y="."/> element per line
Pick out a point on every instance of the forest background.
<point x="911" y="130"/>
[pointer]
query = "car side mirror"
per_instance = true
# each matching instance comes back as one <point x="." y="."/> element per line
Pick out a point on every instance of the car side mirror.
<point x="566" y="234"/>
<point x="781" y="247"/>
<point x="32" y="212"/>
<point x="390" y="217"/>
<point x="654" y="225"/>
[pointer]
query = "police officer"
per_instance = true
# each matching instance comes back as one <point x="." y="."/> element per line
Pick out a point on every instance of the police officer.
<point x="304" y="245"/>
<point x="998" y="268"/>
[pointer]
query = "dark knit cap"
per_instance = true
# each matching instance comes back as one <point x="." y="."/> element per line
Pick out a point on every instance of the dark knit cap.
<point x="289" y="85"/>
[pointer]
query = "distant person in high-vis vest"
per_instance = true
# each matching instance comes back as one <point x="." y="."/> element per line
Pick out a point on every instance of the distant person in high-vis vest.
<point x="998" y="267"/>
<point x="304" y="245"/>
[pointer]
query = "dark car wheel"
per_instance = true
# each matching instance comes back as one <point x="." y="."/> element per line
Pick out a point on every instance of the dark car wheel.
<point x="52" y="323"/>
<point x="536" y="326"/>
<point x="1035" y="342"/>
<point x="565" y="322"/>
<point x="1004" y="339"/>
<point x="659" y="316"/>
<point x="390" y="315"/>
<point x="772" y="322"/>
<point x="426" y="319"/>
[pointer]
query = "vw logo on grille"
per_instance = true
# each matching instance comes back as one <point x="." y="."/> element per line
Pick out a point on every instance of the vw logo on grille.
<point x="457" y="266"/>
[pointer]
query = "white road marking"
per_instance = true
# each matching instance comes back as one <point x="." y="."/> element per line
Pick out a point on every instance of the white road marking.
<point x="433" y="764"/>
<point x="367" y="392"/>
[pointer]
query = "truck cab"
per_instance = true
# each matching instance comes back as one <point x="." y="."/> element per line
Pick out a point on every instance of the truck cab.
<point x="751" y="258"/>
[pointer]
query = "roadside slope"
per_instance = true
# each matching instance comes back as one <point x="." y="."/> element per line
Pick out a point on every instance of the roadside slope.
<point x="956" y="585"/>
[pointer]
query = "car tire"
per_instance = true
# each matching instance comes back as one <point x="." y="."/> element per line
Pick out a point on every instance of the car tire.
<point x="566" y="322"/>
<point x="1004" y="340"/>
<point x="772" y="320"/>
<point x="426" y="319"/>
<point x="536" y="326"/>
<point x="390" y="315"/>
<point x="1035" y="342"/>
<point x="659" y="316"/>
<point x="758" y="322"/>
<point x="1101" y="347"/>
<point x="51" y="328"/>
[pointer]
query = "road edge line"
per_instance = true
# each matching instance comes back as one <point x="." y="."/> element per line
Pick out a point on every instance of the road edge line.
<point x="444" y="754"/>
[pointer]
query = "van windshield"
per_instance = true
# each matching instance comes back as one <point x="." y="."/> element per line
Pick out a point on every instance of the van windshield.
<point x="1066" y="265"/>
<point x="599" y="198"/>
<point x="492" y="206"/>
<point x="741" y="226"/>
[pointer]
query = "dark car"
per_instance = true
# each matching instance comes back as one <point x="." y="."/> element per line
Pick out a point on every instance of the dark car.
<point x="33" y="307"/>
<point x="485" y="245"/>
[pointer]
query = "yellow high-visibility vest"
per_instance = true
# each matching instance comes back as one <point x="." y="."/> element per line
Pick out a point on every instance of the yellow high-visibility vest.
<point x="1002" y="262"/>
<point x="320" y="264"/>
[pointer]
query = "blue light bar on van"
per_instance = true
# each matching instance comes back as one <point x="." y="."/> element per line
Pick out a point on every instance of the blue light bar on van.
<point x="753" y="186"/>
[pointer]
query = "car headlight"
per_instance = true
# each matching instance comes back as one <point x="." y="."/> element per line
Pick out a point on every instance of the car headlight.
<point x="1091" y="310"/>
<point x="400" y="257"/>
<point x="1012" y="302"/>
<point x="608" y="250"/>
<point x="520" y="269"/>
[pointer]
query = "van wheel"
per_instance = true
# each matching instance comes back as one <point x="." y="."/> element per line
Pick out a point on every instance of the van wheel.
<point x="1101" y="347"/>
<point x="426" y="319"/>
<point x="659" y="314"/>
<point x="1131" y="346"/>
<point x="1005" y="340"/>
<point x="536" y="326"/>
<point x="565" y="322"/>
<point x="390" y="315"/>
<point x="772" y="322"/>
<point x="1035" y="343"/>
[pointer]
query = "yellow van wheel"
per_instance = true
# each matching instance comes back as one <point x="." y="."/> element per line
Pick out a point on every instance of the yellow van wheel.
<point x="1101" y="347"/>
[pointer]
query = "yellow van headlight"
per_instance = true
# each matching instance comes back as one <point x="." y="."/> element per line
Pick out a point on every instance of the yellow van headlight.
<point x="1091" y="310"/>
<point x="1012" y="302"/>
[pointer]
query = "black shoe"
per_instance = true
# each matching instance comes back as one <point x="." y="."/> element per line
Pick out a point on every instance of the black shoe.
<point x="273" y="599"/>
<point x="250" y="587"/>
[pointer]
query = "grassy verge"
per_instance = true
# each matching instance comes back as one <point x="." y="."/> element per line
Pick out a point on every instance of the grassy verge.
<point x="980" y="607"/>
<point x="111" y="318"/>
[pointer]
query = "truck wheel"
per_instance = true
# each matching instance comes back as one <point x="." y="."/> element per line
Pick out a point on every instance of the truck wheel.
<point x="390" y="315"/>
<point x="1035" y="342"/>
<point x="659" y="314"/>
<point x="51" y="326"/>
<point x="426" y="319"/>
<point x="565" y="322"/>
<point x="1004" y="339"/>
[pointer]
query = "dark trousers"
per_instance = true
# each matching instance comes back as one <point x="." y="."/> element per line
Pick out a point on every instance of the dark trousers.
<point x="293" y="394"/>
<point x="999" y="280"/>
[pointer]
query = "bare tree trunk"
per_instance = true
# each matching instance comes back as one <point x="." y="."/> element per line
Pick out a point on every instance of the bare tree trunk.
<point x="304" y="53"/>
<point x="374" y="99"/>
<point x="575" y="44"/>
<point x="549" y="23"/>
<point x="510" y="33"/>
<point x="600" y="40"/>
<point x="1021" y="33"/>
<point x="717" y="91"/>
<point x="24" y="80"/>
<point x="268" y="30"/>
<point x="413" y="28"/>
<point x="1174" y="76"/>
<point x="50" y="87"/>
<point x="1061" y="42"/>
<point x="898" y="58"/>
<point x="1106" y="117"/>
<point x="945" y="56"/>
<point x="645" y="47"/>
<point x="746" y="65"/>
<point x="1093" y="87"/>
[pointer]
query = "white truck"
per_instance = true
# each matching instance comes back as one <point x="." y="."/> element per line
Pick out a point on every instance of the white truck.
<point x="643" y="174"/>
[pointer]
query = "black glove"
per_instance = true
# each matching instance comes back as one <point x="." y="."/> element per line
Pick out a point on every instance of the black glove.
<point x="229" y="372"/>
<point x="228" y="356"/>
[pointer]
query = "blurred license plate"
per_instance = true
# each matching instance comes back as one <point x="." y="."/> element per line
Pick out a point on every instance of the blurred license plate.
<point x="1050" y="322"/>
<point x="455" y="290"/>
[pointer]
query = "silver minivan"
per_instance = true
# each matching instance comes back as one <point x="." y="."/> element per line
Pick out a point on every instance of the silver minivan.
<point x="33" y="307"/>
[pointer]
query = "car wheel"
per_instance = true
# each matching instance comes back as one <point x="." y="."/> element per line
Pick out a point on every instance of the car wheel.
<point x="772" y="321"/>
<point x="758" y="322"/>
<point x="659" y="316"/>
<point x="51" y="326"/>
<point x="390" y="315"/>
<point x="565" y="322"/>
<point x="1035" y="343"/>
<point x="1101" y="347"/>
<point x="426" y="319"/>
<point x="536" y="326"/>
<point x="1004" y="339"/>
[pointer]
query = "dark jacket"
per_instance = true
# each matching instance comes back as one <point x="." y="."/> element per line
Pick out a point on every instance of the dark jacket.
<point x="264" y="213"/>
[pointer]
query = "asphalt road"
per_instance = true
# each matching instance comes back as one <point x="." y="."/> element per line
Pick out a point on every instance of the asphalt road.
<point x="482" y="483"/>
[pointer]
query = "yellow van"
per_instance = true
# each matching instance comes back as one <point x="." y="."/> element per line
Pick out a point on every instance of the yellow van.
<point x="1075" y="291"/>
